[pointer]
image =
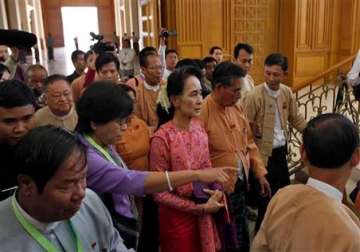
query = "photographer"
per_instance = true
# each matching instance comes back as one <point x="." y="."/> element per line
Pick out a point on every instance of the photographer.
<point x="94" y="70"/>
<point x="126" y="57"/>
<point x="168" y="57"/>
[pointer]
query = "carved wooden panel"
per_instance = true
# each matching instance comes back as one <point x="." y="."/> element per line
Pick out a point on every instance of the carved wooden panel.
<point x="313" y="33"/>
<point x="189" y="28"/>
<point x="227" y="29"/>
<point x="323" y="13"/>
<point x="201" y="24"/>
<point x="303" y="23"/>
<point x="256" y="22"/>
<point x="356" y="25"/>
<point x="212" y="25"/>
<point x="349" y="33"/>
<point x="345" y="23"/>
<point x="189" y="20"/>
<point x="308" y="64"/>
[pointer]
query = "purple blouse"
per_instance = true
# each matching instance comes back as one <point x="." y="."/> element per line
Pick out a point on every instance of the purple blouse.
<point x="105" y="177"/>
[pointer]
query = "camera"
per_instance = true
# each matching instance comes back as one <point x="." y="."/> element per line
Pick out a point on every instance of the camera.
<point x="165" y="33"/>
<point x="100" y="46"/>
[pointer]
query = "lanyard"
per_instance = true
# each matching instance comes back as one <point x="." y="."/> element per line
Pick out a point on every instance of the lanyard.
<point x="40" y="238"/>
<point x="104" y="152"/>
<point x="107" y="155"/>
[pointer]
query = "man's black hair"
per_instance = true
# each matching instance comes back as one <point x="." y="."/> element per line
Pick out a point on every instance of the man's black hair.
<point x="14" y="93"/>
<point x="106" y="58"/>
<point x="330" y="140"/>
<point x="145" y="53"/>
<point x="43" y="151"/>
<point x="168" y="51"/>
<point x="277" y="59"/>
<point x="75" y="54"/>
<point x="102" y="102"/>
<point x="212" y="49"/>
<point x="225" y="72"/>
<point x="242" y="46"/>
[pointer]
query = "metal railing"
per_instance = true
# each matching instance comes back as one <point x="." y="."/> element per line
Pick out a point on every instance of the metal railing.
<point x="324" y="93"/>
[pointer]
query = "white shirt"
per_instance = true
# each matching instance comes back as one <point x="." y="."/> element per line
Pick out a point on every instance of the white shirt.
<point x="127" y="56"/>
<point x="152" y="88"/>
<point x="279" y="136"/>
<point x="355" y="70"/>
<point x="162" y="54"/>
<point x="166" y="74"/>
<point x="323" y="187"/>
<point x="248" y="84"/>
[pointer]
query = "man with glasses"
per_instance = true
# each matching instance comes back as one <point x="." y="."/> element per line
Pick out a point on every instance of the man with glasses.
<point x="147" y="86"/>
<point x="231" y="144"/>
<point x="243" y="57"/>
<point x="60" y="106"/>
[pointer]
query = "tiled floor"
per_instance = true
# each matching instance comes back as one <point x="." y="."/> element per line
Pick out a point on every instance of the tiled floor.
<point x="62" y="63"/>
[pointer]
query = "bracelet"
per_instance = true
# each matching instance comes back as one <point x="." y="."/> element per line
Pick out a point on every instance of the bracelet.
<point x="168" y="181"/>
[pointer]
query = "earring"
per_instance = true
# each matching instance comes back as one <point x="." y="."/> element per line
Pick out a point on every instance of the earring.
<point x="93" y="126"/>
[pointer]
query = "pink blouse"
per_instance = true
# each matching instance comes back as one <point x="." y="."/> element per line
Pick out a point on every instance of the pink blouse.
<point x="174" y="149"/>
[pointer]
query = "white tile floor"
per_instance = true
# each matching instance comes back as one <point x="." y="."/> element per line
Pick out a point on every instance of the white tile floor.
<point x="62" y="63"/>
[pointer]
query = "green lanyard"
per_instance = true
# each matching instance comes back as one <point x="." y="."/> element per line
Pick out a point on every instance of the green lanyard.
<point x="105" y="153"/>
<point x="40" y="238"/>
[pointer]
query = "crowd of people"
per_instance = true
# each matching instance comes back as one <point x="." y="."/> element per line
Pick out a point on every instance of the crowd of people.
<point x="142" y="150"/>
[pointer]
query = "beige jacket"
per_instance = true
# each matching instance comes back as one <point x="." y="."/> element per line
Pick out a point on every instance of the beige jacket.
<point x="44" y="116"/>
<point x="301" y="218"/>
<point x="260" y="109"/>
